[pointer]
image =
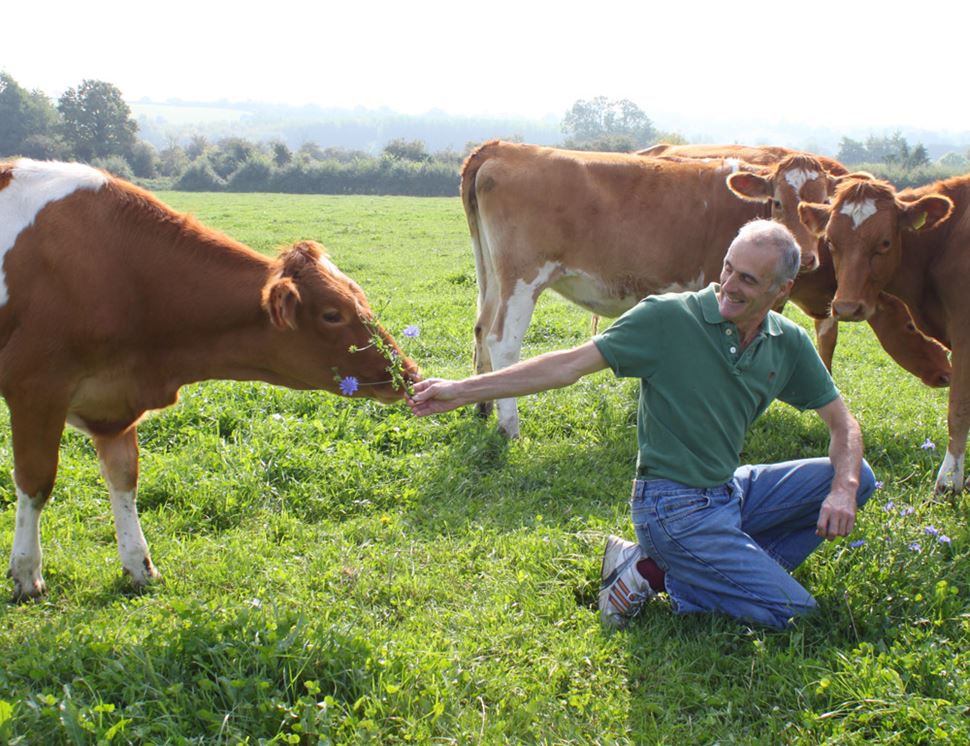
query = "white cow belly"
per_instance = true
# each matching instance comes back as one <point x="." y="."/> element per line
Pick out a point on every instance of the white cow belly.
<point x="595" y="295"/>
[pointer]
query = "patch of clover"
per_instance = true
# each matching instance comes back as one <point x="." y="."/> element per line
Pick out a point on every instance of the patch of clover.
<point x="349" y="385"/>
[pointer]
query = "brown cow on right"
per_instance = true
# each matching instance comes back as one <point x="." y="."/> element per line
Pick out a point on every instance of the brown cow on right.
<point x="912" y="350"/>
<point x="915" y="245"/>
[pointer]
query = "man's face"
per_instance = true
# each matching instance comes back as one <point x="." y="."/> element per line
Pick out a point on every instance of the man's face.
<point x="747" y="284"/>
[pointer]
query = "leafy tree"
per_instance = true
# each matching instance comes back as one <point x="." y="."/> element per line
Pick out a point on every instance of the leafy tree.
<point x="281" y="153"/>
<point x="173" y="160"/>
<point x="197" y="147"/>
<point x="919" y="157"/>
<point x="852" y="151"/>
<point x="604" y="124"/>
<point x="953" y="160"/>
<point x="96" y="120"/>
<point x="28" y="120"/>
<point x="407" y="150"/>
<point x="230" y="154"/>
<point x="144" y="160"/>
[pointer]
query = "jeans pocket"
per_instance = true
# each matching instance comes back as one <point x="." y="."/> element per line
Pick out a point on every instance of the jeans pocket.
<point x="677" y="509"/>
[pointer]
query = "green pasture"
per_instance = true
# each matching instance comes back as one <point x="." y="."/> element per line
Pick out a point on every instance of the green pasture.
<point x="339" y="572"/>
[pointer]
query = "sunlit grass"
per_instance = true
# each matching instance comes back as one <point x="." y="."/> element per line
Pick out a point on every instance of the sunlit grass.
<point x="337" y="570"/>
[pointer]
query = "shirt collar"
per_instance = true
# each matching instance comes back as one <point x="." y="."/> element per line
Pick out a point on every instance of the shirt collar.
<point x="712" y="315"/>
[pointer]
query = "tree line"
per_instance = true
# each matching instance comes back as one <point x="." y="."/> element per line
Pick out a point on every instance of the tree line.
<point x="93" y="124"/>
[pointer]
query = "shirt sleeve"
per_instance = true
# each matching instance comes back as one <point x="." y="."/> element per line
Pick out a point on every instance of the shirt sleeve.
<point x="810" y="385"/>
<point x="633" y="345"/>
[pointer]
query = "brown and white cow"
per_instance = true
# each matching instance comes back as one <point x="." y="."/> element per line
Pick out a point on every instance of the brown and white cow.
<point x="605" y="230"/>
<point x="916" y="246"/>
<point x="813" y="291"/>
<point x="761" y="155"/>
<point x="110" y="301"/>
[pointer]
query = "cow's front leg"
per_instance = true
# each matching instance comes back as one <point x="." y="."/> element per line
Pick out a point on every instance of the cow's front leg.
<point x="25" y="559"/>
<point x="118" y="455"/>
<point x="36" y="423"/>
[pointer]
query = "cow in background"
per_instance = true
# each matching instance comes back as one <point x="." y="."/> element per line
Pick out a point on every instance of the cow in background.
<point x="912" y="350"/>
<point x="605" y="230"/>
<point x="916" y="246"/>
<point x="110" y="302"/>
<point x="761" y="155"/>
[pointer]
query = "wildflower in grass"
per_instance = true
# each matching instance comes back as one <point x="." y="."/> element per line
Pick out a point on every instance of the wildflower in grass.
<point x="943" y="539"/>
<point x="907" y="511"/>
<point x="916" y="547"/>
<point x="889" y="506"/>
<point x="857" y="543"/>
<point x="348" y="386"/>
<point x="411" y="331"/>
<point x="931" y="530"/>
<point x="928" y="445"/>
<point x="879" y="485"/>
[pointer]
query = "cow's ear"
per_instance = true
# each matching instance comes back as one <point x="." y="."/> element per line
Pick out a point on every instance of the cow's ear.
<point x="925" y="213"/>
<point x="750" y="186"/>
<point x="814" y="216"/>
<point x="280" y="301"/>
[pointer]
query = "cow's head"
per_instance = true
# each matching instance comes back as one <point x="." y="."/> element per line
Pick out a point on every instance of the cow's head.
<point x="922" y="356"/>
<point x="864" y="227"/>
<point x="796" y="178"/>
<point x="325" y="331"/>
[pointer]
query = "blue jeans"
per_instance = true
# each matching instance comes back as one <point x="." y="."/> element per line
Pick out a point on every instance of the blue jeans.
<point x="730" y="548"/>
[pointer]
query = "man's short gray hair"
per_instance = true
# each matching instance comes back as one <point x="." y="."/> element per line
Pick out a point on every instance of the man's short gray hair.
<point x="774" y="235"/>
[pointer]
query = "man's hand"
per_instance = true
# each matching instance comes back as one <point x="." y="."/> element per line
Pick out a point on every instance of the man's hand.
<point x="433" y="396"/>
<point x="837" y="516"/>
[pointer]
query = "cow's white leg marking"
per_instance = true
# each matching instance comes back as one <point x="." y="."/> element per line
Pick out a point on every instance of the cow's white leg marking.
<point x="950" y="476"/>
<point x="505" y="344"/>
<point x="132" y="547"/>
<point x="25" y="559"/>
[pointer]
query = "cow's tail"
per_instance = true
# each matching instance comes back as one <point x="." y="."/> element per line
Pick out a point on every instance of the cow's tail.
<point x="480" y="248"/>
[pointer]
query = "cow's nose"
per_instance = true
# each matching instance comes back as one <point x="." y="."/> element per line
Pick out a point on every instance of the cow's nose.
<point x="847" y="310"/>
<point x="809" y="264"/>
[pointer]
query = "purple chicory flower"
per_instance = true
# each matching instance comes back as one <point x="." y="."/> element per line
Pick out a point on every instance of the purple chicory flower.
<point x="348" y="386"/>
<point x="879" y="485"/>
<point x="907" y="511"/>
<point x="916" y="547"/>
<point x="889" y="506"/>
<point x="931" y="530"/>
<point x="411" y="331"/>
<point x="928" y="445"/>
<point x="857" y="543"/>
<point x="943" y="539"/>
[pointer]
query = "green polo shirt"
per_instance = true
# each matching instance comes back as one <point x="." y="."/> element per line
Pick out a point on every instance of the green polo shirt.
<point x="699" y="393"/>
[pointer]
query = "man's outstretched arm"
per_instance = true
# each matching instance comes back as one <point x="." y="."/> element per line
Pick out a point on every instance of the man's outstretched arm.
<point x="552" y="370"/>
<point x="837" y="516"/>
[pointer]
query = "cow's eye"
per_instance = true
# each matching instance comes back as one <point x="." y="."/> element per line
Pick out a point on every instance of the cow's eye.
<point x="883" y="247"/>
<point x="777" y="204"/>
<point x="332" y="317"/>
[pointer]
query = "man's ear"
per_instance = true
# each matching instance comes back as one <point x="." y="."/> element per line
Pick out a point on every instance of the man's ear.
<point x="280" y="300"/>
<point x="750" y="186"/>
<point x="814" y="216"/>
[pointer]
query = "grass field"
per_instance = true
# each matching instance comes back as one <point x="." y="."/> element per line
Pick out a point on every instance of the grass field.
<point x="339" y="572"/>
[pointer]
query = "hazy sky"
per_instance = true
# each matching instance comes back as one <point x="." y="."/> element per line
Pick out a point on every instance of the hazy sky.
<point x="824" y="62"/>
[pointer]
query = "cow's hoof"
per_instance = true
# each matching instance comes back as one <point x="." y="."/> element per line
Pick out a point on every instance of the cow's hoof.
<point x="143" y="575"/>
<point x="29" y="591"/>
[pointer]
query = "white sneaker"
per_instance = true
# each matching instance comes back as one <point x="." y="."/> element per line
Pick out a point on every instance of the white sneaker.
<point x="623" y="590"/>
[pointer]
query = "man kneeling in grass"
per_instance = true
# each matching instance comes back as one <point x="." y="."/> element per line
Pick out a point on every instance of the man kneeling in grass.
<point x="716" y="536"/>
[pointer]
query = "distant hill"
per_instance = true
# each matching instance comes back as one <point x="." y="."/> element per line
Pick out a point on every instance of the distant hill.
<point x="357" y="129"/>
<point x="370" y="129"/>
